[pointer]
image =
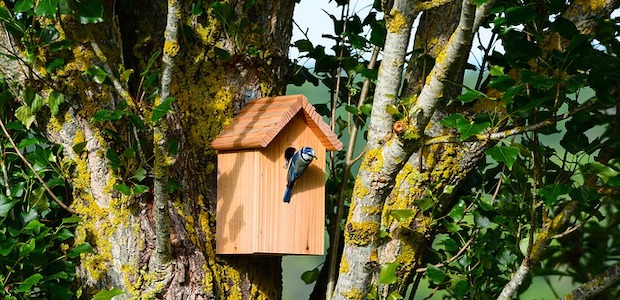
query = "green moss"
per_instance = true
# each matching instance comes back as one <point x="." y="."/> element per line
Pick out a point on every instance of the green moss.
<point x="362" y="233"/>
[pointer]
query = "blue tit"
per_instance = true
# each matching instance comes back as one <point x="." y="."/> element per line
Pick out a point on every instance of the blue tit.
<point x="297" y="164"/>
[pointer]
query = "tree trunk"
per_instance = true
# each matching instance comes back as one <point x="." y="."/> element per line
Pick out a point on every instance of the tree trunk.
<point x="218" y="66"/>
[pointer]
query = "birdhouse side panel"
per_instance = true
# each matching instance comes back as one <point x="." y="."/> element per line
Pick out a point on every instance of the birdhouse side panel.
<point x="296" y="227"/>
<point x="237" y="193"/>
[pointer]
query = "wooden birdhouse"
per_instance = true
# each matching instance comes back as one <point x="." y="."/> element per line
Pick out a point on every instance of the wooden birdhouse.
<point x="252" y="217"/>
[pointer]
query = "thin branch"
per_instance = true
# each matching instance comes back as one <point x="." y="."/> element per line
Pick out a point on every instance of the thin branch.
<point x="49" y="191"/>
<point x="496" y="136"/>
<point x="349" y="161"/>
<point x="455" y="257"/>
<point x="163" y="249"/>
<point x="590" y="289"/>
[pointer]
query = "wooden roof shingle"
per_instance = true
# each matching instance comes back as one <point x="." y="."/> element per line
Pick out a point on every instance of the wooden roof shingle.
<point x="258" y="123"/>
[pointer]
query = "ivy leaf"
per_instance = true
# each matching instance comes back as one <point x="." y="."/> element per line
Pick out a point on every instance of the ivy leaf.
<point x="108" y="115"/>
<point x="434" y="274"/>
<point x="564" y="27"/>
<point x="388" y="273"/>
<point x="310" y="276"/>
<point x="23" y="5"/>
<point x="304" y="45"/>
<point x="505" y="154"/>
<point x="37" y="103"/>
<point x="107" y="295"/>
<point x="56" y="63"/>
<point x="458" y="211"/>
<point x="496" y="70"/>
<point x="401" y="214"/>
<point x="551" y="192"/>
<point x="46" y="8"/>
<point x="366" y="109"/>
<point x="27" y="284"/>
<point x="24" y="115"/>
<point x="506" y="257"/>
<point x="161" y="110"/>
<point x="113" y="159"/>
<point x="71" y="220"/>
<point x="602" y="171"/>
<point x="79" y="249"/>
<point x="89" y="11"/>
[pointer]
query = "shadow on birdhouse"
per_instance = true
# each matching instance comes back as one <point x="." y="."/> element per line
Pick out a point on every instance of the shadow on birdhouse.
<point x="252" y="217"/>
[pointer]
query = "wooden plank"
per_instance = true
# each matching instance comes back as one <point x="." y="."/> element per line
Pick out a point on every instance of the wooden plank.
<point x="236" y="196"/>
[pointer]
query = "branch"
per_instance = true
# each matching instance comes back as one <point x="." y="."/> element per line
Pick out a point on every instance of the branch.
<point x="543" y="239"/>
<point x="609" y="278"/>
<point x="447" y="64"/>
<point x="47" y="189"/>
<point x="495" y="136"/>
<point x="348" y="163"/>
<point x="455" y="257"/>
<point x="163" y="249"/>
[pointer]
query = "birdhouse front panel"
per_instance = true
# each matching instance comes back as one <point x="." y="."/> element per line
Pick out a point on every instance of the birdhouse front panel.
<point x="295" y="227"/>
<point x="274" y="147"/>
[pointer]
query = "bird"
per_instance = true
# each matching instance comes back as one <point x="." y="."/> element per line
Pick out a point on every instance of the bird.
<point x="297" y="164"/>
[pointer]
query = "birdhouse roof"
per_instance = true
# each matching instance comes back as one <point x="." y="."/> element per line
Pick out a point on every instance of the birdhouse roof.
<point x="258" y="123"/>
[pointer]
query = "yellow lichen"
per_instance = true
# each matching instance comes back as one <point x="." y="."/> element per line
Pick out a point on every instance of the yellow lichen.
<point x="361" y="233"/>
<point x="344" y="266"/>
<point x="171" y="48"/>
<point x="354" y="294"/>
<point x="397" y="22"/>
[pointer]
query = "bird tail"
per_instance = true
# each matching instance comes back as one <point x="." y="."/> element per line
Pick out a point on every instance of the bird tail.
<point x="287" y="193"/>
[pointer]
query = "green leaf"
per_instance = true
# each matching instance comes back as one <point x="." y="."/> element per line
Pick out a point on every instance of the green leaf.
<point x="37" y="103"/>
<point x="71" y="220"/>
<point x="600" y="170"/>
<point x="304" y="45"/>
<point x="139" y="175"/>
<point x="26" y="248"/>
<point x="107" y="295"/>
<point x="89" y="11"/>
<point x="564" y="27"/>
<point x="434" y="274"/>
<point x="451" y="121"/>
<point x="461" y="288"/>
<point x="310" y="276"/>
<point x="108" y="115"/>
<point x="401" y="214"/>
<point x="139" y="189"/>
<point x="505" y="154"/>
<point x="574" y="142"/>
<point x="64" y="234"/>
<point x="552" y="192"/>
<point x="79" y="147"/>
<point x="394" y="296"/>
<point x="97" y="73"/>
<point x="5" y="206"/>
<point x="54" y="101"/>
<point x="424" y="203"/>
<point x="506" y="257"/>
<point x="496" y="70"/>
<point x="388" y="273"/>
<point x="27" y="284"/>
<point x="150" y="63"/>
<point x="123" y="188"/>
<point x="471" y="95"/>
<point x="352" y="109"/>
<point x="33" y="226"/>
<point x="161" y="109"/>
<point x="46" y="8"/>
<point x="24" y="115"/>
<point x="125" y="76"/>
<point x="392" y="110"/>
<point x="481" y="221"/>
<point x="366" y="109"/>
<point x="23" y="5"/>
<point x="79" y="249"/>
<point x="502" y="83"/>
<point x="197" y="8"/>
<point x="113" y="158"/>
<point x="470" y="128"/>
<point x="458" y="211"/>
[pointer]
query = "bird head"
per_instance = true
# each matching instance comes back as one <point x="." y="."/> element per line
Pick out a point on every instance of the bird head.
<point x="307" y="154"/>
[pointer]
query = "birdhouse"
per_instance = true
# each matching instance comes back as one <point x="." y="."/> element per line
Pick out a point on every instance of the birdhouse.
<point x="252" y="217"/>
